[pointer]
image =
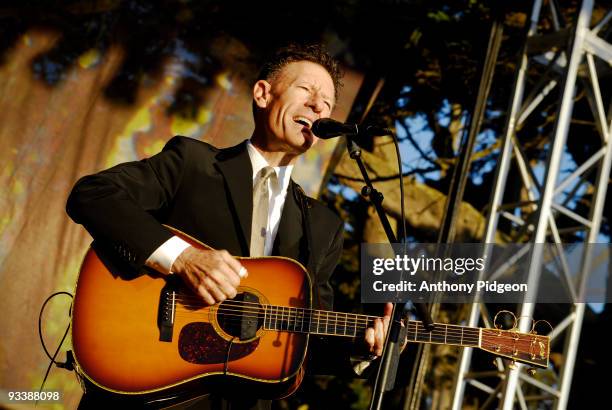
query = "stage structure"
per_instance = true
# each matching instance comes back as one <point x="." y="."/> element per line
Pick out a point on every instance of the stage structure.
<point x="570" y="59"/>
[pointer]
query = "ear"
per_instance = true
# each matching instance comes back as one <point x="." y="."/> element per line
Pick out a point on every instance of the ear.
<point x="261" y="93"/>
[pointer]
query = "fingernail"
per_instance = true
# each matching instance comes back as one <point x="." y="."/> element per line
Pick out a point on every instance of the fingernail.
<point x="243" y="272"/>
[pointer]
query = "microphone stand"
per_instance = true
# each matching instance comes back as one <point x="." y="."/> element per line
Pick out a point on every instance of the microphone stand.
<point x="387" y="371"/>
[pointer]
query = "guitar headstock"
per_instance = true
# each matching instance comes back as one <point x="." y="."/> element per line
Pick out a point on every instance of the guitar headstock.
<point x="528" y="348"/>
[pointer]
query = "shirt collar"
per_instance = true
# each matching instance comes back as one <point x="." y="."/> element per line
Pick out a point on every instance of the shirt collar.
<point x="283" y="173"/>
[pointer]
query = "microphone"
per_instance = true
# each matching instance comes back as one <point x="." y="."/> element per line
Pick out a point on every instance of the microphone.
<point x="326" y="128"/>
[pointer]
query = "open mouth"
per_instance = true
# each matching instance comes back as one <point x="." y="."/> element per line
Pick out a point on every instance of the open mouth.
<point x="303" y="121"/>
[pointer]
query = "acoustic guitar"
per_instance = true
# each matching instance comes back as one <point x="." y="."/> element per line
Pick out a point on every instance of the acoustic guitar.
<point x="149" y="336"/>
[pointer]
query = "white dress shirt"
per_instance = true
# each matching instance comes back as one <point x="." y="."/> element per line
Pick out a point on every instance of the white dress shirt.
<point x="163" y="257"/>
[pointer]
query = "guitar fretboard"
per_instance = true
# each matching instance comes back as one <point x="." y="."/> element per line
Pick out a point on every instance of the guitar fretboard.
<point x="354" y="325"/>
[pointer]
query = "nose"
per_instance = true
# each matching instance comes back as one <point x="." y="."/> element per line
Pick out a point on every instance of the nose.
<point x="316" y="103"/>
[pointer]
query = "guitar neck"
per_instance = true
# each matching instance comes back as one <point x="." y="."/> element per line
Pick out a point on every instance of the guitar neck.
<point x="322" y="322"/>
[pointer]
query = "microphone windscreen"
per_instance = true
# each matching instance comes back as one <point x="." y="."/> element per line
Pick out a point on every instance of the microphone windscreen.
<point x="325" y="128"/>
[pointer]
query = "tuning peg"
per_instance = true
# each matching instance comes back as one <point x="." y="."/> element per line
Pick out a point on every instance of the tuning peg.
<point x="531" y="371"/>
<point x="512" y="365"/>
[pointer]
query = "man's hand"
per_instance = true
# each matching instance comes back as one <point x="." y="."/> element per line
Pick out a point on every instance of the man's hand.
<point x="211" y="274"/>
<point x="375" y="336"/>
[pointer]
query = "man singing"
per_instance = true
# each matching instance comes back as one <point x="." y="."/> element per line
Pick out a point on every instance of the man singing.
<point x="241" y="201"/>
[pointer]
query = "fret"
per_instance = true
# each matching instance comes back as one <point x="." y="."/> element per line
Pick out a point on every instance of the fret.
<point x="326" y="320"/>
<point x="276" y="316"/>
<point x="336" y="324"/>
<point x="310" y="320"/>
<point x="288" y="317"/>
<point x="265" y="314"/>
<point x="269" y="312"/>
<point x="277" y="324"/>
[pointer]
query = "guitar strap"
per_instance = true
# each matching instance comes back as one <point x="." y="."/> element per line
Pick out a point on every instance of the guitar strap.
<point x="305" y="206"/>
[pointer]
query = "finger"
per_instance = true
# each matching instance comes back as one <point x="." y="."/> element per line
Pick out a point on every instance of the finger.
<point x="211" y="285"/>
<point x="234" y="264"/>
<point x="201" y="290"/>
<point x="369" y="337"/>
<point x="229" y="275"/>
<point x="226" y="281"/>
<point x="226" y="288"/>
<point x="385" y="323"/>
<point x="388" y="309"/>
<point x="379" y="336"/>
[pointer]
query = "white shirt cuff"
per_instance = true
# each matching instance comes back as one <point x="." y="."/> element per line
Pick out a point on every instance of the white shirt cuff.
<point x="163" y="258"/>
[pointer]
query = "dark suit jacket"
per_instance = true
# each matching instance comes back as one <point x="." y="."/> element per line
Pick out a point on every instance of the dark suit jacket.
<point x="207" y="193"/>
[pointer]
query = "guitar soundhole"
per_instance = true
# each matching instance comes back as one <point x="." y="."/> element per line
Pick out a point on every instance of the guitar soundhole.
<point x="242" y="316"/>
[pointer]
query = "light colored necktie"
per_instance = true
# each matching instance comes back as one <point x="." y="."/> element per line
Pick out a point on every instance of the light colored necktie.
<point x="261" y="206"/>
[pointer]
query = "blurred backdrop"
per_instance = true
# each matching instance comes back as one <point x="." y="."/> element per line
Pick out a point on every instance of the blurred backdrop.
<point x="85" y="85"/>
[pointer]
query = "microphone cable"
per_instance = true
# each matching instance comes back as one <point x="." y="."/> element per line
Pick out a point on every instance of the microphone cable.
<point x="69" y="363"/>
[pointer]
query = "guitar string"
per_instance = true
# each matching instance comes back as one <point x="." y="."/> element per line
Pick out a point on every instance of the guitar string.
<point x="297" y="310"/>
<point x="423" y="334"/>
<point x="521" y="348"/>
<point x="358" y="317"/>
<point x="352" y="316"/>
<point x="359" y="332"/>
<point x="525" y="348"/>
<point x="454" y="340"/>
<point x="293" y="320"/>
<point x="421" y="330"/>
<point x="259" y="305"/>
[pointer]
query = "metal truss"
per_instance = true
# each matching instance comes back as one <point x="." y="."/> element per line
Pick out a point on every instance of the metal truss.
<point x="567" y="59"/>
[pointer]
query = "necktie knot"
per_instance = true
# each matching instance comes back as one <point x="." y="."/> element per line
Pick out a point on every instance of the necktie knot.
<point x="265" y="173"/>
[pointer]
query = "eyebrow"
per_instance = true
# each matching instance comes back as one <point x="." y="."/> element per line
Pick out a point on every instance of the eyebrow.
<point x="327" y="98"/>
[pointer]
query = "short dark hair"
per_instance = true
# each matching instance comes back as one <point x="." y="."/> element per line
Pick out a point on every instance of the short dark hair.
<point x="294" y="52"/>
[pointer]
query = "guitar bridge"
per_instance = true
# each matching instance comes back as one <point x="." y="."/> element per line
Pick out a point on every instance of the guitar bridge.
<point x="167" y="309"/>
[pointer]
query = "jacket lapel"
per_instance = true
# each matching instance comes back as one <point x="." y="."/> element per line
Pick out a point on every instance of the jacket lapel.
<point x="235" y="166"/>
<point x="289" y="235"/>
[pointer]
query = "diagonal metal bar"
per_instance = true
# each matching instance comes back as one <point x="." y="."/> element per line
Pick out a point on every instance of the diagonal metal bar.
<point x="600" y="114"/>
<point x="592" y="161"/>
<point x="572" y="214"/>
<point x="565" y="270"/>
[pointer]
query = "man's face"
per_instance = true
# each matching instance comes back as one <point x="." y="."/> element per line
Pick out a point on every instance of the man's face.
<point x="301" y="93"/>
